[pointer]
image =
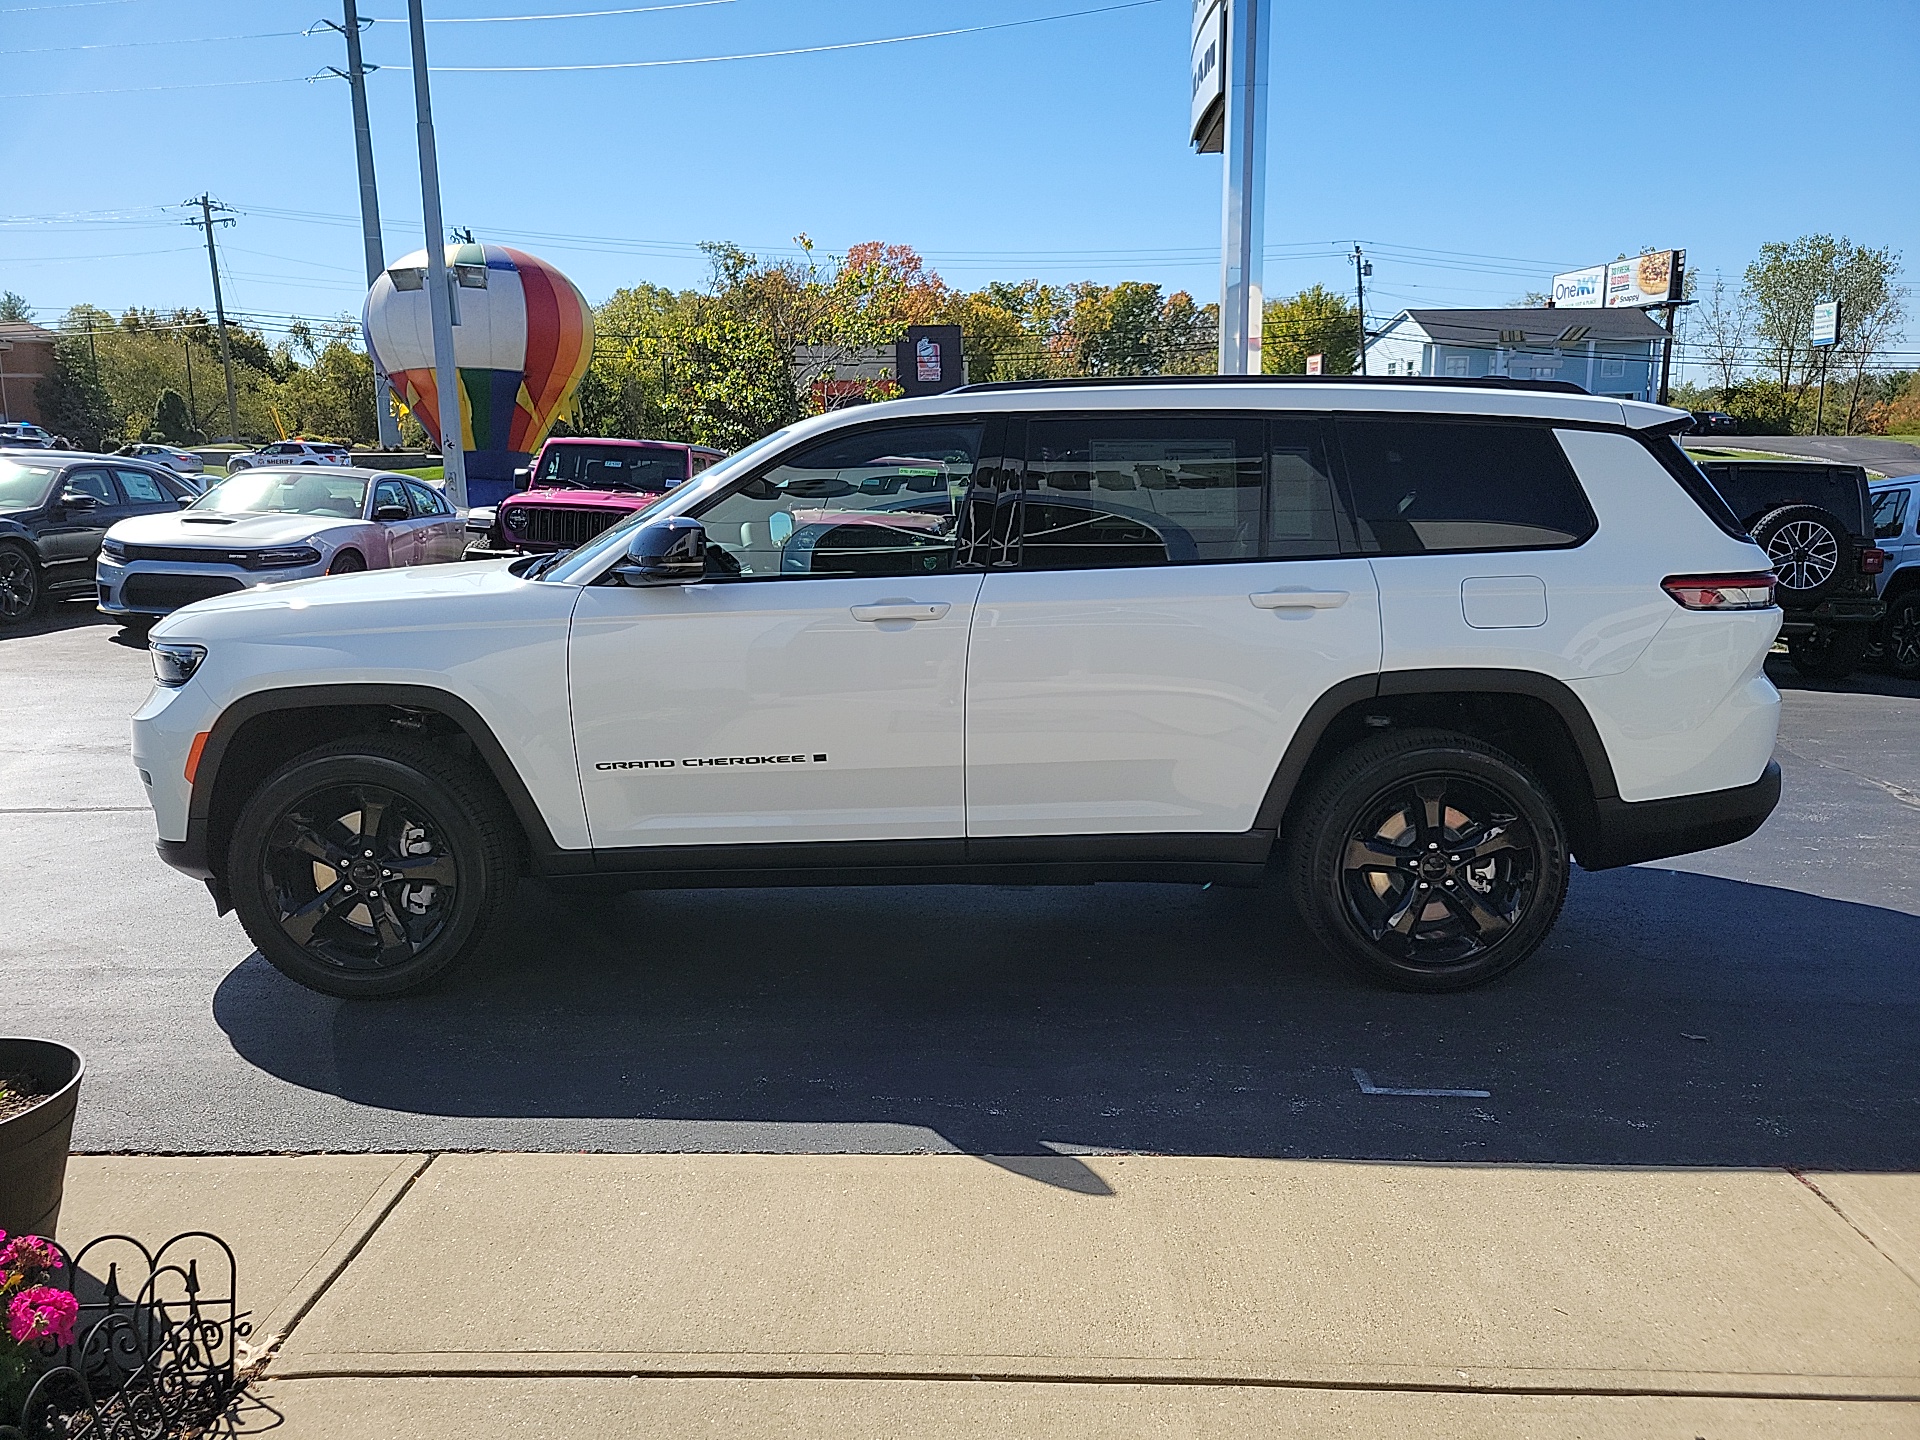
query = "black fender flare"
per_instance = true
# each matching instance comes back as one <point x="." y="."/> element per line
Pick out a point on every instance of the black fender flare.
<point x="1387" y="683"/>
<point x="194" y="855"/>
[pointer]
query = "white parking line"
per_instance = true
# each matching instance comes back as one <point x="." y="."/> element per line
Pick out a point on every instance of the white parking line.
<point x="1367" y="1087"/>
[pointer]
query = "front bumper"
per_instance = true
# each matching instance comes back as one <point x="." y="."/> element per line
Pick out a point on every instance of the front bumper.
<point x="173" y="583"/>
<point x="1626" y="832"/>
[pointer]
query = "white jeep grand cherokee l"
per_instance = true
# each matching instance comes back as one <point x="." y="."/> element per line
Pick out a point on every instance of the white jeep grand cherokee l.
<point x="1418" y="645"/>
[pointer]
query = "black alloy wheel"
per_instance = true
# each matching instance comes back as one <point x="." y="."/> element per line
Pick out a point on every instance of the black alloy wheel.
<point x="1902" y="636"/>
<point x="1431" y="858"/>
<point x="19" y="585"/>
<point x="347" y="562"/>
<point x="366" y="868"/>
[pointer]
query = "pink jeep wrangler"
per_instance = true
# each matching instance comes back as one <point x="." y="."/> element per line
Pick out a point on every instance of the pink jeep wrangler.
<point x="578" y="486"/>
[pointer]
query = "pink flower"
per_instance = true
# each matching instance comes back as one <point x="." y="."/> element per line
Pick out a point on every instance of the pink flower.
<point x="29" y="1252"/>
<point x="39" y="1312"/>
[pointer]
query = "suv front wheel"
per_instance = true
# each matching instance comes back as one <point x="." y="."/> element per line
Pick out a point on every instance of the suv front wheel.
<point x="365" y="868"/>
<point x="1430" y="858"/>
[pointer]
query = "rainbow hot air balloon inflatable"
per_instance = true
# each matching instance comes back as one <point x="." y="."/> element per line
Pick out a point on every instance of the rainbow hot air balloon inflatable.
<point x="523" y="342"/>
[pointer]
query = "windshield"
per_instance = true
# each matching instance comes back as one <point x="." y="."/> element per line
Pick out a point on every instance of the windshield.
<point x="612" y="467"/>
<point x="594" y="554"/>
<point x="287" y="492"/>
<point x="23" y="487"/>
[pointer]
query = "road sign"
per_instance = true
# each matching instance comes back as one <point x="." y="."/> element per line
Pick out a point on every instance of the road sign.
<point x="1826" y="323"/>
<point x="1315" y="364"/>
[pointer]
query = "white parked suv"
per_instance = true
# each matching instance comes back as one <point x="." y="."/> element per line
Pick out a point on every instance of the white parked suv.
<point x="1414" y="645"/>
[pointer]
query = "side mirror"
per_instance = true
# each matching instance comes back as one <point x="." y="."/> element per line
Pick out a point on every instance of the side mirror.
<point x="666" y="552"/>
<point x="523" y="478"/>
<point x="79" y="500"/>
<point x="392" y="512"/>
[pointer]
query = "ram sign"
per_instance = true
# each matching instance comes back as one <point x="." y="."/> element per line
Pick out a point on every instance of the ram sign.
<point x="1581" y="289"/>
<point x="1206" y="130"/>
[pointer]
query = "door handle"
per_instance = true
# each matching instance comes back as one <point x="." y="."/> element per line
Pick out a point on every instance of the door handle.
<point x="900" y="611"/>
<point x="1299" y="599"/>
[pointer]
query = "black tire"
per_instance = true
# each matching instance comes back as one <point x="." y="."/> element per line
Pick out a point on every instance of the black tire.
<point x="1811" y="551"/>
<point x="1901" y="636"/>
<point x="347" y="562"/>
<point x="20" y="592"/>
<point x="1829" y="653"/>
<point x="292" y="835"/>
<point x="1401" y="815"/>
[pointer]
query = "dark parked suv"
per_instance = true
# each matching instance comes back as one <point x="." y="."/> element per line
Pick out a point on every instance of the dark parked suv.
<point x="1813" y="520"/>
<point x="54" y="510"/>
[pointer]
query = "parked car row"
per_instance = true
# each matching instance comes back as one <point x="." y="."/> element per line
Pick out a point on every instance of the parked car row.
<point x="137" y="539"/>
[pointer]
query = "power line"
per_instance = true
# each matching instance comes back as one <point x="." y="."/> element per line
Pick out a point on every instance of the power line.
<point x="558" y="15"/>
<point x="151" y="89"/>
<point x="144" y="44"/>
<point x="796" y="50"/>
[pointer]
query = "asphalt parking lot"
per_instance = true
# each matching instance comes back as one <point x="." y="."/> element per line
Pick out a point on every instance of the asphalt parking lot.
<point x="1751" y="1006"/>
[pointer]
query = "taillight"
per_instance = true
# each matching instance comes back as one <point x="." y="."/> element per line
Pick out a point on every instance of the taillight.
<point x="1872" y="560"/>
<point x="1752" y="591"/>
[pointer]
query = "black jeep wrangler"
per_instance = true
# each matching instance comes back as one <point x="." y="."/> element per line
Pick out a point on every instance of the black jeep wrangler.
<point x="1813" y="520"/>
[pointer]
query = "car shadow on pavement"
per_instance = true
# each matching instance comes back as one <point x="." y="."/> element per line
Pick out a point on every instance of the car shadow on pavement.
<point x="1861" y="682"/>
<point x="1672" y="1019"/>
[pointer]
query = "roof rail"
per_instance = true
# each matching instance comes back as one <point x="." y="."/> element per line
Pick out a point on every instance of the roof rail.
<point x="1485" y="382"/>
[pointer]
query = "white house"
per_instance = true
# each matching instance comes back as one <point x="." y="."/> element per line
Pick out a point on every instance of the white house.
<point x="1605" y="352"/>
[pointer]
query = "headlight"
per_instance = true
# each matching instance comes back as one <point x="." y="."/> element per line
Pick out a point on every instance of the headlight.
<point x="283" y="557"/>
<point x="113" y="549"/>
<point x="173" y="665"/>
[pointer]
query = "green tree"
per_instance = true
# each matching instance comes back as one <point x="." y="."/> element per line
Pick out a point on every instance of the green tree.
<point x="1317" y="321"/>
<point x="14" y="307"/>
<point x="72" y="400"/>
<point x="1790" y="277"/>
<point x="172" y="422"/>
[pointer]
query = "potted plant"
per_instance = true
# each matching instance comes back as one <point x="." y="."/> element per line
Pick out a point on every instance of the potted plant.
<point x="39" y="1088"/>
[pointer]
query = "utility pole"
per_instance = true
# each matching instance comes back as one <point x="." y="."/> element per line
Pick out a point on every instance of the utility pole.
<point x="1362" y="267"/>
<point x="1243" y="208"/>
<point x="441" y="301"/>
<point x="186" y="347"/>
<point x="355" y="75"/>
<point x="206" y="222"/>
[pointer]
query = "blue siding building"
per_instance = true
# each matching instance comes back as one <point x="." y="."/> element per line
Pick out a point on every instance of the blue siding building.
<point x="1605" y="352"/>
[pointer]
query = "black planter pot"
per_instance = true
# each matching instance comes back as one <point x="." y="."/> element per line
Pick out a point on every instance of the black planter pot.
<point x="33" y="1146"/>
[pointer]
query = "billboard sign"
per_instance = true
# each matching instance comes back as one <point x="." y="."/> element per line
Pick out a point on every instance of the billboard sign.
<point x="1826" y="323"/>
<point x="1651" y="279"/>
<point x="1206" y="127"/>
<point x="928" y="361"/>
<point x="1580" y="289"/>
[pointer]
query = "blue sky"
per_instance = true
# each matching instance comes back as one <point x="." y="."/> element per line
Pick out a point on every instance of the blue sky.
<point x="1474" y="147"/>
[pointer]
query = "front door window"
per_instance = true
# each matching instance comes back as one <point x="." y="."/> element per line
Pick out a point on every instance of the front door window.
<point x="880" y="502"/>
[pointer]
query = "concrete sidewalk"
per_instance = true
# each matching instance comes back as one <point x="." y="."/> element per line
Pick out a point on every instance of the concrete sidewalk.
<point x="953" y="1295"/>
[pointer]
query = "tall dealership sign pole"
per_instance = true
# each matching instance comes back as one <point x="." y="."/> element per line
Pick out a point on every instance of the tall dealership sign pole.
<point x="355" y="75"/>
<point x="1229" y="117"/>
<point x="440" y="297"/>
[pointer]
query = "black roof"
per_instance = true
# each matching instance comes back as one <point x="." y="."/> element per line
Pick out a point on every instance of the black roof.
<point x="1541" y="326"/>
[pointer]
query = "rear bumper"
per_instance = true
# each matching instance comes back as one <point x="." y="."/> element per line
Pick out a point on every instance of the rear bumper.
<point x="1851" y="610"/>
<point x="1626" y="832"/>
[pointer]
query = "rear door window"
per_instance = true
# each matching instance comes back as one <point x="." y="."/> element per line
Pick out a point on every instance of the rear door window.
<point x="425" y="502"/>
<point x="143" y="487"/>
<point x="1427" y="486"/>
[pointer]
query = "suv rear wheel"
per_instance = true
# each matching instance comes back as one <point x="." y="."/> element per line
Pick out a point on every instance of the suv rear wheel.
<point x="1430" y="858"/>
<point x="1829" y="653"/>
<point x="1809" y="548"/>
<point x="365" y="868"/>
<point x="1901" y="636"/>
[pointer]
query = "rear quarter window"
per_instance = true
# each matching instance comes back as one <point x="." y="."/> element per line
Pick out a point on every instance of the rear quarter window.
<point x="1427" y="486"/>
